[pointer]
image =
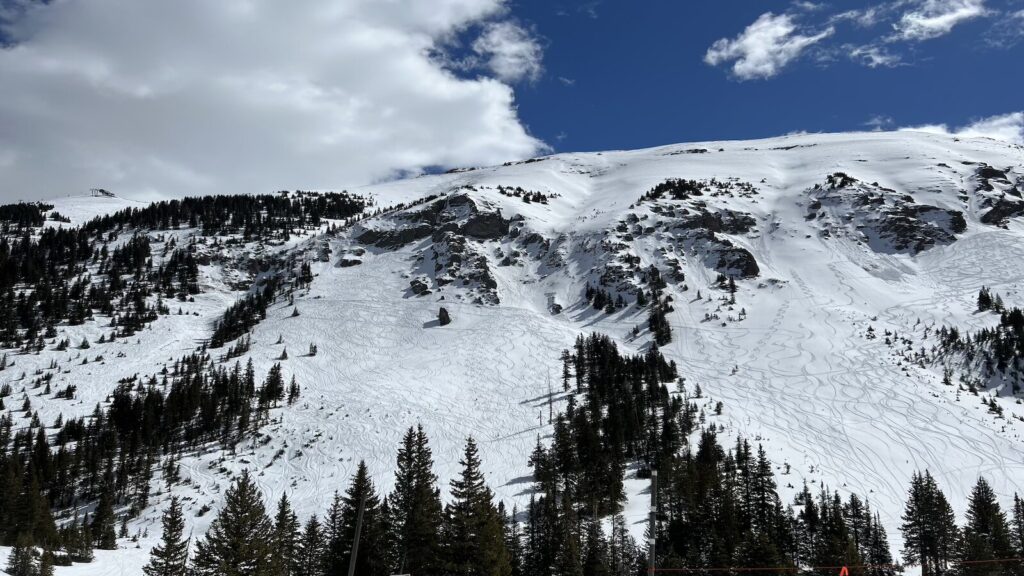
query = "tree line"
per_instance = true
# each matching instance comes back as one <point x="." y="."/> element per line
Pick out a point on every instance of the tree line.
<point x="103" y="465"/>
<point x="66" y="274"/>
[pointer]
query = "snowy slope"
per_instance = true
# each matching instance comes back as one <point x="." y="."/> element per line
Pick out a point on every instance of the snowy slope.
<point x="797" y="372"/>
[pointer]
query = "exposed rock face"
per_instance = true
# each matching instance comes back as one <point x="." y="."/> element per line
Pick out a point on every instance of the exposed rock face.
<point x="986" y="175"/>
<point x="457" y="262"/>
<point x="457" y="213"/>
<point x="456" y="225"/>
<point x="395" y="238"/>
<point x="419" y="287"/>
<point x="699" y="229"/>
<point x="737" y="263"/>
<point x="885" y="220"/>
<point x="998" y="194"/>
<point x="724" y="221"/>
<point x="1004" y="209"/>
<point x="488" y="226"/>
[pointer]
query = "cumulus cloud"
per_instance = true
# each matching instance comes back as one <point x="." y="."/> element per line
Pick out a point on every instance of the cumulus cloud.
<point x="249" y="95"/>
<point x="764" y="48"/>
<point x="934" y="18"/>
<point x="510" y="52"/>
<point x="1005" y="127"/>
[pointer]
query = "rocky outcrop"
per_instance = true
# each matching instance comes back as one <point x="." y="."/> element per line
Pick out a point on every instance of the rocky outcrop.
<point x="1004" y="209"/>
<point x="454" y="257"/>
<point x="457" y="213"/>
<point x="737" y="263"/>
<point x="390" y="239"/>
<point x="884" y="219"/>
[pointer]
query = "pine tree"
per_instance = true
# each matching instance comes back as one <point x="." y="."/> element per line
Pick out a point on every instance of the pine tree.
<point x="238" y="542"/>
<point x="513" y="539"/>
<point x="878" y="554"/>
<point x="986" y="536"/>
<point x="595" y="556"/>
<point x="416" y="507"/>
<point x="333" y="559"/>
<point x="46" y="564"/>
<point x="475" y="538"/>
<point x="309" y="556"/>
<point x="21" y="562"/>
<point x="1018" y="524"/>
<point x="567" y="557"/>
<point x="170" y="557"/>
<point x="285" y="538"/>
<point x="929" y="527"/>
<point x="104" y="521"/>
<point x="984" y="299"/>
<point x="370" y="557"/>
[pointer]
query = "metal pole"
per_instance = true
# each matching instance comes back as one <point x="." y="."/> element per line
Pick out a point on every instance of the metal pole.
<point x="355" y="540"/>
<point x="652" y="538"/>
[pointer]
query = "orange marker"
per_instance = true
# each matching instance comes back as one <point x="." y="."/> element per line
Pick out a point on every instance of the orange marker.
<point x="844" y="572"/>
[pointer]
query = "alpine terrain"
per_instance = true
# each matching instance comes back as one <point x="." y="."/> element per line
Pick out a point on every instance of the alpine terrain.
<point x="813" y="339"/>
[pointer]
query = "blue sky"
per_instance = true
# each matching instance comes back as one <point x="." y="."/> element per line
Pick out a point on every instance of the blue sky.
<point x="151" y="98"/>
<point x="637" y="74"/>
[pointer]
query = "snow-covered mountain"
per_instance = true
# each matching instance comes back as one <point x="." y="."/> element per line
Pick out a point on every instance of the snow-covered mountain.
<point x="847" y="252"/>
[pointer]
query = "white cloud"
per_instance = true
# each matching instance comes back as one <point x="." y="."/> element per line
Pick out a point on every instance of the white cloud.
<point x="764" y="48"/>
<point x="510" y="52"/>
<point x="874" y="56"/>
<point x="154" y="97"/>
<point x="879" y="122"/>
<point x="1007" y="32"/>
<point x="1005" y="127"/>
<point x="807" y="6"/>
<point x="935" y="18"/>
<point x="863" y="17"/>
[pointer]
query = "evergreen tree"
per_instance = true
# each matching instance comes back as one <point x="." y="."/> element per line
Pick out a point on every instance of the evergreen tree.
<point x="21" y="561"/>
<point x="239" y="541"/>
<point x="416" y="507"/>
<point x="1018" y="524"/>
<point x="878" y="554"/>
<point x="929" y="527"/>
<point x="285" y="538"/>
<point x="475" y="543"/>
<point x="513" y="540"/>
<point x="595" y="557"/>
<point x="104" y="521"/>
<point x="170" y="557"/>
<point x="309" y="556"/>
<point x="984" y="299"/>
<point x="986" y="536"/>
<point x="333" y="559"/>
<point x="370" y="557"/>
<point x="568" y="561"/>
<point x="46" y="564"/>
